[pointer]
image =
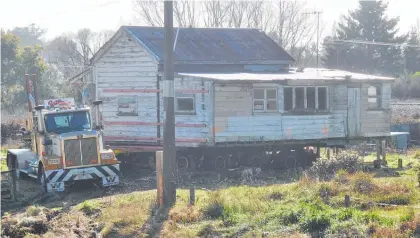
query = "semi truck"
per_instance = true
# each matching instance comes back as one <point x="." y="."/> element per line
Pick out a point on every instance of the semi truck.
<point x="64" y="146"/>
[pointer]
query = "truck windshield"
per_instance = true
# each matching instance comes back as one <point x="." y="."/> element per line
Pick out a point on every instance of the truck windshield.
<point x="66" y="122"/>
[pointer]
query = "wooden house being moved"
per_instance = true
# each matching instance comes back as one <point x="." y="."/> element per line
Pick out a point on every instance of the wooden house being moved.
<point x="237" y="100"/>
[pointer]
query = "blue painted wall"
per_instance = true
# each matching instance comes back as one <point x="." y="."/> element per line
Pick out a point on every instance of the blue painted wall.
<point x="401" y="141"/>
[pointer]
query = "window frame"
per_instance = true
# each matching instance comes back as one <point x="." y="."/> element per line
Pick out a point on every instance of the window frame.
<point x="185" y="96"/>
<point x="305" y="108"/>
<point x="378" y="97"/>
<point x="136" y="106"/>
<point x="265" y="100"/>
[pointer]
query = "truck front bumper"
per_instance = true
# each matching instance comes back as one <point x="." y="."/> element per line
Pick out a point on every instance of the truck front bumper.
<point x="56" y="179"/>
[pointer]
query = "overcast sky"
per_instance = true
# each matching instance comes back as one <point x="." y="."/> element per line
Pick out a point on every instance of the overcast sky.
<point x="62" y="16"/>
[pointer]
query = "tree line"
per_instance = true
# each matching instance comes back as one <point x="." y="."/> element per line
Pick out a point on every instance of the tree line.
<point x="25" y="51"/>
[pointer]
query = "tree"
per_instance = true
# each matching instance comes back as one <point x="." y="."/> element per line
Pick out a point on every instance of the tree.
<point x="367" y="23"/>
<point x="70" y="53"/>
<point x="30" y="35"/>
<point x="151" y="11"/>
<point x="412" y="54"/>
<point x="16" y="62"/>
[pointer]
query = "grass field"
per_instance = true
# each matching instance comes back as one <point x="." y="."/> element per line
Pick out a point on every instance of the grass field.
<point x="385" y="203"/>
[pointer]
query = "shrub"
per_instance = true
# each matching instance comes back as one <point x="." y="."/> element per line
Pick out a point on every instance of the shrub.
<point x="362" y="182"/>
<point x="215" y="207"/>
<point x="9" y="130"/>
<point x="347" y="229"/>
<point x="314" y="217"/>
<point x="325" y="169"/>
<point x="289" y="216"/>
<point x="33" y="211"/>
<point x="342" y="176"/>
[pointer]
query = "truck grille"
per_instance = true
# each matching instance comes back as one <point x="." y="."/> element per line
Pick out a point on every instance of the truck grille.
<point x="80" y="152"/>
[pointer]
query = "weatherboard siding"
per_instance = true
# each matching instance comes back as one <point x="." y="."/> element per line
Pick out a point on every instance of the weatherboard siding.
<point x="199" y="125"/>
<point x="124" y="67"/>
<point x="236" y="122"/>
<point x="376" y="122"/>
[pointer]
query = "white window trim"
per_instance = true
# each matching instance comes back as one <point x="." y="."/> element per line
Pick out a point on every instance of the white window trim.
<point x="265" y="100"/>
<point x="189" y="112"/>
<point x="327" y="103"/>
<point x="137" y="105"/>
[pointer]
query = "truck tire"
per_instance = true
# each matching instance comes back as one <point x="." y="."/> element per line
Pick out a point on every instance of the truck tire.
<point x="42" y="179"/>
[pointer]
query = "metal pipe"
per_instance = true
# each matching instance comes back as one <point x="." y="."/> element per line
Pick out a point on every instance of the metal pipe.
<point x="34" y="81"/>
<point x="28" y="92"/>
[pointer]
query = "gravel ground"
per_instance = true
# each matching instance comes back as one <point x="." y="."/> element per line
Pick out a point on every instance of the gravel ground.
<point x="407" y="111"/>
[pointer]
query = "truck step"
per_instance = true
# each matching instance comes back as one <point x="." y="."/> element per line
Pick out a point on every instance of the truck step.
<point x="33" y="176"/>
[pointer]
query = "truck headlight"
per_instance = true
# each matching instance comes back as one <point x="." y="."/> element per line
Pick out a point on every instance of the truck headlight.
<point x="107" y="156"/>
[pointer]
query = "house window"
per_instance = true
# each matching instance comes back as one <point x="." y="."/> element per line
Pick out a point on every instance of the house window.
<point x="310" y="98"/>
<point x="374" y="97"/>
<point x="127" y="106"/>
<point x="265" y="100"/>
<point x="322" y="98"/>
<point x="288" y="98"/>
<point x="185" y="104"/>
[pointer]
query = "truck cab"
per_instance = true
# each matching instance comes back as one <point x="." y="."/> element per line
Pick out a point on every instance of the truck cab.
<point x="66" y="146"/>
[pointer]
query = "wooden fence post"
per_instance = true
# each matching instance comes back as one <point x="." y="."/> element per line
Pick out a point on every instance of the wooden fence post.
<point x="12" y="161"/>
<point x="400" y="163"/>
<point x="383" y="147"/>
<point x="347" y="200"/>
<point x="192" y="195"/>
<point x="159" y="177"/>
<point x="328" y="153"/>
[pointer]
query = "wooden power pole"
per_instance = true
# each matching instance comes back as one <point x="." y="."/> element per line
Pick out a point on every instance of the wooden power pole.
<point x="169" y="150"/>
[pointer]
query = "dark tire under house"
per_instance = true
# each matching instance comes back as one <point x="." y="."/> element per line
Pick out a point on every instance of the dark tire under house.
<point x="214" y="159"/>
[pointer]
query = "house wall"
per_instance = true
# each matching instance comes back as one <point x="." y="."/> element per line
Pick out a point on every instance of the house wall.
<point x="125" y="69"/>
<point x="376" y="122"/>
<point x="235" y="120"/>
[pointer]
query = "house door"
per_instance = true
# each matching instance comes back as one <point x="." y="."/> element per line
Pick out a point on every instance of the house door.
<point x="353" y="112"/>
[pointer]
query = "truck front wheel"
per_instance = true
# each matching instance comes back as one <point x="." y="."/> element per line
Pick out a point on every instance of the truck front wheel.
<point x="41" y="178"/>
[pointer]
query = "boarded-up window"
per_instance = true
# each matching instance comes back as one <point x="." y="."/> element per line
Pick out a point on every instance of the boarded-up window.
<point x="185" y="104"/>
<point x="127" y="106"/>
<point x="310" y="97"/>
<point x="265" y="100"/>
<point x="374" y="97"/>
<point x="300" y="98"/>
<point x="322" y="98"/>
<point x="288" y="98"/>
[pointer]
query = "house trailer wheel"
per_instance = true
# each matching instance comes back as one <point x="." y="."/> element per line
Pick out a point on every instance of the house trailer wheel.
<point x="151" y="160"/>
<point x="291" y="162"/>
<point x="182" y="162"/>
<point x="220" y="162"/>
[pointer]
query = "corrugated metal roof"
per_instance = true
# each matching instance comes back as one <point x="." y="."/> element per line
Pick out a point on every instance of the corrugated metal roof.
<point x="212" y="44"/>
<point x="308" y="74"/>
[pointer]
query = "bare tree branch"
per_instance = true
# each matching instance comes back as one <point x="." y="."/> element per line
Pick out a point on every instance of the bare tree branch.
<point x="150" y="11"/>
<point x="216" y="13"/>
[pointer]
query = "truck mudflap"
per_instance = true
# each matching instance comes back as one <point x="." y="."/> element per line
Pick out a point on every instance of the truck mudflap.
<point x="108" y="174"/>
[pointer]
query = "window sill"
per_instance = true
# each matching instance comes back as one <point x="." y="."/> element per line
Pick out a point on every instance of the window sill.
<point x="185" y="113"/>
<point x="377" y="110"/>
<point x="305" y="113"/>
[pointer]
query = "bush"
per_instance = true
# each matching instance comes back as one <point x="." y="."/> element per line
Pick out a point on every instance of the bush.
<point x="346" y="229"/>
<point x="314" y="217"/>
<point x="289" y="216"/>
<point x="9" y="131"/>
<point x="325" y="169"/>
<point x="362" y="182"/>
